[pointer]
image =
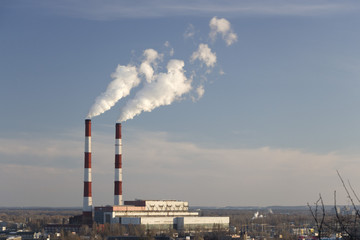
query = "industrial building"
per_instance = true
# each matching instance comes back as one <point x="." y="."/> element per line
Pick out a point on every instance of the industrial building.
<point x="158" y="214"/>
<point x="153" y="214"/>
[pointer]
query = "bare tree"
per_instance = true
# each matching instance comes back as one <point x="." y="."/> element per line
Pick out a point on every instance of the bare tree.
<point x="318" y="213"/>
<point x="345" y="224"/>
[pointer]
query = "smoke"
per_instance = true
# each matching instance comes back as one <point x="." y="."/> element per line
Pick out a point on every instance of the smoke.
<point x="125" y="78"/>
<point x="223" y="27"/>
<point x="205" y="55"/>
<point x="163" y="90"/>
<point x="150" y="59"/>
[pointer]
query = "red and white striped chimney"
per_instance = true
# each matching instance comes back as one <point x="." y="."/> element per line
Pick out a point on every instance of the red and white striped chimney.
<point x="87" y="204"/>
<point x="118" y="167"/>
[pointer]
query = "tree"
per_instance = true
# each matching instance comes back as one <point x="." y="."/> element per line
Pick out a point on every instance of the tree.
<point x="345" y="224"/>
<point x="318" y="213"/>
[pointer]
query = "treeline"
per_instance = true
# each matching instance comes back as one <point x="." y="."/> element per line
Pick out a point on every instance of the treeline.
<point x="36" y="219"/>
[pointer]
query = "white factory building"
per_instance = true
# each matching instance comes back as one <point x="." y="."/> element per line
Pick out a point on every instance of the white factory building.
<point x="158" y="214"/>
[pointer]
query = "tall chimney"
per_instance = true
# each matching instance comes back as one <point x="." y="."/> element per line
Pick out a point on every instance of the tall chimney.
<point x="118" y="167"/>
<point x="87" y="204"/>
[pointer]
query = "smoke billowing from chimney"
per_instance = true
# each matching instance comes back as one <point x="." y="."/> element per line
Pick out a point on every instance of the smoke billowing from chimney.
<point x="151" y="56"/>
<point x="165" y="89"/>
<point x="125" y="78"/>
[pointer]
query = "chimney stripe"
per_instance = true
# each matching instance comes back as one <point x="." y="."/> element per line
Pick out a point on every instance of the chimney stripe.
<point x="118" y="174"/>
<point x="87" y="128"/>
<point x="118" y="188"/>
<point x="87" y="160"/>
<point x="118" y="198"/>
<point x="87" y="144"/>
<point x="87" y="175"/>
<point x="88" y="209"/>
<point x="118" y="131"/>
<point x="118" y="161"/>
<point x="87" y="189"/>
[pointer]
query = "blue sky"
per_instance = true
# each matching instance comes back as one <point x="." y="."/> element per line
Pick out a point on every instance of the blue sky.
<point x="277" y="118"/>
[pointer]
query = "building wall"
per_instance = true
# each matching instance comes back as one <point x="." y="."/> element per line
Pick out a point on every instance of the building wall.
<point x="130" y="220"/>
<point x="158" y="220"/>
<point x="153" y="214"/>
<point x="178" y="223"/>
<point x="158" y="214"/>
<point x="202" y="223"/>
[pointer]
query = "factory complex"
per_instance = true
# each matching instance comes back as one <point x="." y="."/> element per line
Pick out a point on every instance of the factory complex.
<point x="158" y="214"/>
<point x="152" y="214"/>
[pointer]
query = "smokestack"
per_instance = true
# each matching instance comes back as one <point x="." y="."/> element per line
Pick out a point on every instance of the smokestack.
<point x="118" y="167"/>
<point x="87" y="204"/>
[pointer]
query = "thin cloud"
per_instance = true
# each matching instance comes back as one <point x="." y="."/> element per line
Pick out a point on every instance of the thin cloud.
<point x="189" y="32"/>
<point x="171" y="50"/>
<point x="200" y="91"/>
<point x="43" y="147"/>
<point x="288" y="171"/>
<point x="179" y="169"/>
<point x="42" y="185"/>
<point x="111" y="9"/>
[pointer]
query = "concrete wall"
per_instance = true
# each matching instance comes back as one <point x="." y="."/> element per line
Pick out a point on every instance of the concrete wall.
<point x="130" y="220"/>
<point x="179" y="223"/>
<point x="157" y="220"/>
<point x="201" y="223"/>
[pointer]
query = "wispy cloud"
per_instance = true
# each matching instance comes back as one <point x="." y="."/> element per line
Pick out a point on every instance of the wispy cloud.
<point x="189" y="32"/>
<point x="39" y="185"/>
<point x="111" y="9"/>
<point x="227" y="176"/>
<point x="256" y="176"/>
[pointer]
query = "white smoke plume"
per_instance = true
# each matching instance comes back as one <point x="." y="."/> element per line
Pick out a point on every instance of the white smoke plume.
<point x="125" y="78"/>
<point x="146" y="67"/>
<point x="163" y="90"/>
<point x="160" y="88"/>
<point x="223" y="27"/>
<point x="204" y="55"/>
